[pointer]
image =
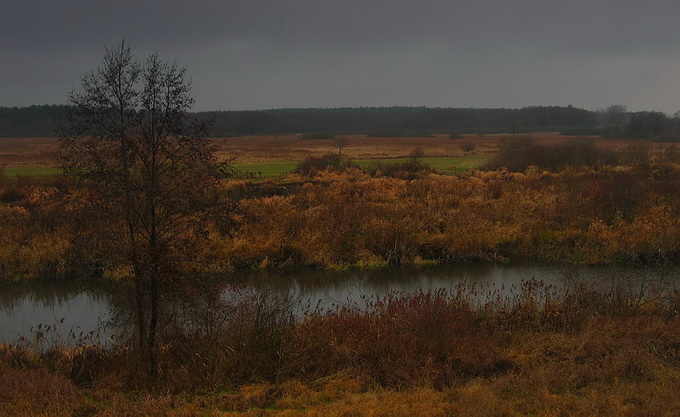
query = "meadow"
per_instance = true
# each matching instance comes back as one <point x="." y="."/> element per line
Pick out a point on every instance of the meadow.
<point x="274" y="156"/>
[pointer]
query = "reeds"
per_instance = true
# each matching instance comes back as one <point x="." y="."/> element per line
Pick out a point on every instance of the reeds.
<point x="531" y="349"/>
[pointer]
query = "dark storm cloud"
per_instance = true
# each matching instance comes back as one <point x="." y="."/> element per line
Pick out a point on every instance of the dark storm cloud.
<point x="261" y="54"/>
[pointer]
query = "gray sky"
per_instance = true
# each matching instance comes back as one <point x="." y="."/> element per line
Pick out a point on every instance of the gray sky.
<point x="256" y="54"/>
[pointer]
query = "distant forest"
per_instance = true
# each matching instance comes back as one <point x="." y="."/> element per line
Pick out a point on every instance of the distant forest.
<point x="36" y="121"/>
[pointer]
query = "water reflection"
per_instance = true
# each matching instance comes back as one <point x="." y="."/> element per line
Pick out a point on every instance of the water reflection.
<point x="57" y="310"/>
<point x="350" y="287"/>
<point x="79" y="308"/>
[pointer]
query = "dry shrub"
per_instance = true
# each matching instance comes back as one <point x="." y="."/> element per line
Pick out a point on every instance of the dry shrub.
<point x="217" y="340"/>
<point x="329" y="162"/>
<point x="336" y="219"/>
<point x="431" y="353"/>
<point x="429" y="338"/>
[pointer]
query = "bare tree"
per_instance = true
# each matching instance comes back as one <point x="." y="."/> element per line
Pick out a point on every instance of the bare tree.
<point x="128" y="135"/>
<point x="340" y="142"/>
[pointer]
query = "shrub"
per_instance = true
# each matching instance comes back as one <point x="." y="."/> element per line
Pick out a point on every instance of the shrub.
<point x="405" y="170"/>
<point x="312" y="164"/>
<point x="516" y="154"/>
<point x="12" y="195"/>
<point x="329" y="162"/>
<point x="519" y="153"/>
<point x="467" y="146"/>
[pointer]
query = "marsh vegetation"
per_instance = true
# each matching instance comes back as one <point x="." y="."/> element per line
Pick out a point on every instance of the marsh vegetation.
<point x="543" y="351"/>
<point x="157" y="210"/>
<point x="546" y="350"/>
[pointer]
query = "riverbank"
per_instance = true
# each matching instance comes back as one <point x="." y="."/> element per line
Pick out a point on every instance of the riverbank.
<point x="75" y="307"/>
<point x="336" y="220"/>
<point x="436" y="353"/>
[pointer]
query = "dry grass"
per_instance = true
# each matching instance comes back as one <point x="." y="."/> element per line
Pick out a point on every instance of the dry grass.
<point x="252" y="149"/>
<point x="335" y="220"/>
<point x="593" y="372"/>
<point x="572" y="356"/>
<point x="27" y="152"/>
<point x="38" y="152"/>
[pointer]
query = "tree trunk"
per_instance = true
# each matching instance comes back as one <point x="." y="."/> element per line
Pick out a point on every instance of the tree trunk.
<point x="153" y="321"/>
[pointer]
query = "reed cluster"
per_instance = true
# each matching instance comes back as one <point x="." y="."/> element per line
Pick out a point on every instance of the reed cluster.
<point x="535" y="350"/>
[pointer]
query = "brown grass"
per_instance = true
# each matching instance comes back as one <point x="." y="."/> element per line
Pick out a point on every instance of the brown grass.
<point x="38" y="152"/>
<point x="428" y="354"/>
<point x="335" y="220"/>
<point x="251" y="149"/>
<point x="27" y="152"/>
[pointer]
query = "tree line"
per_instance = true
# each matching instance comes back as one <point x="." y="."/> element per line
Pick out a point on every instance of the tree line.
<point x="32" y="121"/>
<point x="43" y="120"/>
<point x="400" y="121"/>
<point x="615" y="120"/>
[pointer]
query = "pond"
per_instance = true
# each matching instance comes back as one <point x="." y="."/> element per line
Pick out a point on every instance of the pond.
<point x="72" y="311"/>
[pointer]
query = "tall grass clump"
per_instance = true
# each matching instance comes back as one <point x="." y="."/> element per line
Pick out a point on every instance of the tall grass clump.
<point x="329" y="162"/>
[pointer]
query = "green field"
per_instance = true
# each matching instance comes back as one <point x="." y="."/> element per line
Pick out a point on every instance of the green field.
<point x="30" y="171"/>
<point x="445" y="165"/>
<point x="266" y="169"/>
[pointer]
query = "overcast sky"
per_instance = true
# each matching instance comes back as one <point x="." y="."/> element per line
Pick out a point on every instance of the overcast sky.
<point x="256" y="54"/>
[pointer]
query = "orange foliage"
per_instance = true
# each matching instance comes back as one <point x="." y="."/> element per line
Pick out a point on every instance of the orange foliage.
<point x="337" y="219"/>
<point x="579" y="216"/>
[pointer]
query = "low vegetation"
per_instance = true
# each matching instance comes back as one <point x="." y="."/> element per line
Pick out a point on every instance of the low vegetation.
<point x="317" y="136"/>
<point x="331" y="219"/>
<point x="534" y="351"/>
<point x="278" y="170"/>
<point x="329" y="162"/>
<point x="581" y="351"/>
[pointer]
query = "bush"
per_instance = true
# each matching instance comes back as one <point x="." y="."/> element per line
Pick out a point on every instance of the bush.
<point x="518" y="153"/>
<point x="329" y="162"/>
<point x="404" y="170"/>
<point x="12" y="195"/>
<point x="467" y="146"/>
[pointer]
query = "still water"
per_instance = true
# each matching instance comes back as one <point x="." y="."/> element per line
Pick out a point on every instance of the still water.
<point x="73" y="310"/>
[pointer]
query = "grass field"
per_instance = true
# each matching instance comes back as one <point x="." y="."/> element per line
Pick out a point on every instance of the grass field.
<point x="31" y="171"/>
<point x="266" y="169"/>
<point x="272" y="156"/>
<point x="445" y="165"/>
<point x="451" y="165"/>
